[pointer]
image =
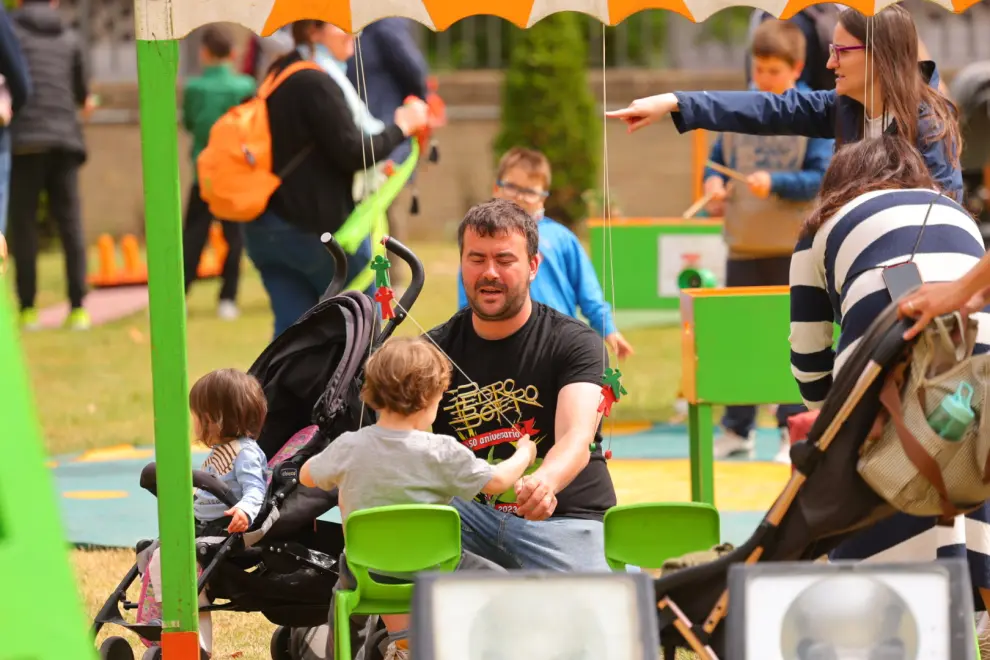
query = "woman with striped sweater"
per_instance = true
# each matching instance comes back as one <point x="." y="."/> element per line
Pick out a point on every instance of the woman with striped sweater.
<point x="872" y="214"/>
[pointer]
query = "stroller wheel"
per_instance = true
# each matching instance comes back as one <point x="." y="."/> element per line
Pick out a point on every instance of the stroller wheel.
<point x="116" y="648"/>
<point x="153" y="653"/>
<point x="281" y="646"/>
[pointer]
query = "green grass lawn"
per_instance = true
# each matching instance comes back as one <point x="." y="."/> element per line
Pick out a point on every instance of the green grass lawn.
<point x="93" y="389"/>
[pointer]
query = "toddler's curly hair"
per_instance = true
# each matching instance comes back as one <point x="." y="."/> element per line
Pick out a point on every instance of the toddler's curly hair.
<point x="404" y="375"/>
<point x="229" y="404"/>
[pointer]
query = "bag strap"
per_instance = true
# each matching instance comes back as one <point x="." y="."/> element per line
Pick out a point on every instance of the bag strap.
<point x="272" y="82"/>
<point x="921" y="459"/>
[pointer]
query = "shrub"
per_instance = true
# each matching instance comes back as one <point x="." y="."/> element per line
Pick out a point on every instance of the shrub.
<point x="548" y="105"/>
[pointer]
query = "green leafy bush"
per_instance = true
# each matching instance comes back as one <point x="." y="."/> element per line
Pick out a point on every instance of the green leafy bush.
<point x="548" y="105"/>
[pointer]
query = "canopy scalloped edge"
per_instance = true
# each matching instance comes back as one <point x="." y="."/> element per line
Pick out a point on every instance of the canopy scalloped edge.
<point x="173" y="19"/>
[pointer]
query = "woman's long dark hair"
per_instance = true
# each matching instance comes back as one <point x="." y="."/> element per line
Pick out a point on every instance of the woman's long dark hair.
<point x="888" y="162"/>
<point x="893" y="49"/>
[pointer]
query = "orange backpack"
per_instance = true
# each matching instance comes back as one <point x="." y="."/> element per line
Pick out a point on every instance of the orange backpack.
<point x="235" y="168"/>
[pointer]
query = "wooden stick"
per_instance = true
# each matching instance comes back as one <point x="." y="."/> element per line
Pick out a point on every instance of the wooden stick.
<point x="727" y="171"/>
<point x="697" y="206"/>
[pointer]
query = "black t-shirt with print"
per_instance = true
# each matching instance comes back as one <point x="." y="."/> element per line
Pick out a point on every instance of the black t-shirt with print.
<point x="516" y="380"/>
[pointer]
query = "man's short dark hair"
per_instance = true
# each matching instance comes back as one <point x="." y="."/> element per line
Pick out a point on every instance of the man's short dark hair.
<point x="217" y="42"/>
<point x="497" y="217"/>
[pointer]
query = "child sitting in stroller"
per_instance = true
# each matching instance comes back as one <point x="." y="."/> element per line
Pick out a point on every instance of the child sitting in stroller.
<point x="396" y="461"/>
<point x="228" y="409"/>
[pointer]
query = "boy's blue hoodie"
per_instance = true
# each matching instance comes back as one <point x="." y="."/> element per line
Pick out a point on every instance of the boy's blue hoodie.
<point x="817" y="114"/>
<point x="566" y="279"/>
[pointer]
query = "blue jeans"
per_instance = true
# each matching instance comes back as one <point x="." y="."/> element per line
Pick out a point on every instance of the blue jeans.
<point x="295" y="267"/>
<point x="556" y="544"/>
<point x="4" y="177"/>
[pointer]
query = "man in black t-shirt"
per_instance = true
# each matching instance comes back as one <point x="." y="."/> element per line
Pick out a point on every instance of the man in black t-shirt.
<point x="523" y="368"/>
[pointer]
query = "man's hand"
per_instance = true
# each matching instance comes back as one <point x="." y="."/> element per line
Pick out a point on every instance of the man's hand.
<point x="240" y="520"/>
<point x="759" y="184"/>
<point x="535" y="497"/>
<point x="619" y="345"/>
<point x="3" y="255"/>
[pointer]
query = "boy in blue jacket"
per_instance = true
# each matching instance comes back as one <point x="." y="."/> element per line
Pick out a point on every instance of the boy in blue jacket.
<point x="763" y="216"/>
<point x="566" y="278"/>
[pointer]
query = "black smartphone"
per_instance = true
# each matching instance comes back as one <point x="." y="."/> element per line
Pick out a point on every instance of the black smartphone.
<point x="902" y="279"/>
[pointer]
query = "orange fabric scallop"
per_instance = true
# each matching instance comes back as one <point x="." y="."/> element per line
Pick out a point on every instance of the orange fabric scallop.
<point x="336" y="12"/>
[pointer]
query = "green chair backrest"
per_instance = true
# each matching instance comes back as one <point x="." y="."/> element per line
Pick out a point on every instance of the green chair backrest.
<point x="646" y="535"/>
<point x="403" y="538"/>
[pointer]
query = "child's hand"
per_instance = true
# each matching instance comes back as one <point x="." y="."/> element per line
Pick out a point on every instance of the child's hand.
<point x="759" y="184"/>
<point x="239" y="523"/>
<point x="715" y="186"/>
<point x="526" y="445"/>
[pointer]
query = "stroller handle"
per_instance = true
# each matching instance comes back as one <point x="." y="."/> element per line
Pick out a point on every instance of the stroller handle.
<point x="201" y="479"/>
<point x="415" y="285"/>
<point x="340" y="265"/>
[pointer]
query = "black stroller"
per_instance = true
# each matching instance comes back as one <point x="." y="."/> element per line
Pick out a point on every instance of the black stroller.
<point x="284" y="566"/>
<point x="971" y="93"/>
<point x="824" y="502"/>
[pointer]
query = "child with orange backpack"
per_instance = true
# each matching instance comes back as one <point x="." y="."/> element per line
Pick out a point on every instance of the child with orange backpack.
<point x="205" y="99"/>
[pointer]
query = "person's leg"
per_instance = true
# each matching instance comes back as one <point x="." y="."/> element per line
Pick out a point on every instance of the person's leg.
<point x="482" y="529"/>
<point x="738" y="437"/>
<point x="62" y="183"/>
<point x="557" y="544"/>
<point x="194" y="234"/>
<point x="27" y="177"/>
<point x="284" y="260"/>
<point x="4" y="178"/>
<point x="233" y="233"/>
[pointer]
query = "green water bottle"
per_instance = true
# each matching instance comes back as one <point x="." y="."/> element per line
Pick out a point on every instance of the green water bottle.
<point x="954" y="414"/>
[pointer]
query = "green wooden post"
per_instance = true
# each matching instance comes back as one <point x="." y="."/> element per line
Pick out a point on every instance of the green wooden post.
<point x="40" y="613"/>
<point x="700" y="437"/>
<point x="157" y="67"/>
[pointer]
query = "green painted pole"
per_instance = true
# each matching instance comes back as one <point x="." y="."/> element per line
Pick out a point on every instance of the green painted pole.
<point x="40" y="613"/>
<point x="701" y="451"/>
<point x="157" y="68"/>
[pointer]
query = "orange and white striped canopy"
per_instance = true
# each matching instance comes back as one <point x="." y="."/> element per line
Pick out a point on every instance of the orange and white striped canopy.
<point x="174" y="19"/>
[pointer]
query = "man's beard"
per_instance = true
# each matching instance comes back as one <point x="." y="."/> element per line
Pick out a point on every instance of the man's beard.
<point x="513" y="301"/>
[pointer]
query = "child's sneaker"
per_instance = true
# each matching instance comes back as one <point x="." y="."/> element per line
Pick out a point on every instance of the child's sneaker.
<point x="227" y="310"/>
<point x="395" y="653"/>
<point x="784" y="453"/>
<point x="731" y="444"/>
<point x="78" y="320"/>
<point x="30" y="319"/>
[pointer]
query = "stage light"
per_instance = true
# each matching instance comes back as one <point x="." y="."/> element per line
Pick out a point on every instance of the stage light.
<point x="482" y="615"/>
<point x="850" y="611"/>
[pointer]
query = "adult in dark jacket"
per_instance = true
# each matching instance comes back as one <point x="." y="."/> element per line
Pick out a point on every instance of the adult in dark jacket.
<point x="895" y="93"/>
<point x="310" y="112"/>
<point x="390" y="68"/>
<point x="48" y="150"/>
<point x="14" y="90"/>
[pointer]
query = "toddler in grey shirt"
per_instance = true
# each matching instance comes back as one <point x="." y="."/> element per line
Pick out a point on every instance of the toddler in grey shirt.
<point x="396" y="461"/>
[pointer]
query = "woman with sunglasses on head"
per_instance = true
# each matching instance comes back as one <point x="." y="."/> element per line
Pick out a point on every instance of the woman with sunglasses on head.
<point x="881" y="87"/>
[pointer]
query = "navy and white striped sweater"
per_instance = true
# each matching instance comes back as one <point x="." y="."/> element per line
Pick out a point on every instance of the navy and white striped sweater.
<point x="836" y="275"/>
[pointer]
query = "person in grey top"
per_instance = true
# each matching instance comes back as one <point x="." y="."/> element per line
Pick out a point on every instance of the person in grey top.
<point x="396" y="461"/>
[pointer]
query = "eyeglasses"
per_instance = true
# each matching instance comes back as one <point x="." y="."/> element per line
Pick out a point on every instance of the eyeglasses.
<point x="525" y="194"/>
<point x="835" y="51"/>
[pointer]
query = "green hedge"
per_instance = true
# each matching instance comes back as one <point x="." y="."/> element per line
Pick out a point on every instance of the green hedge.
<point x="547" y="105"/>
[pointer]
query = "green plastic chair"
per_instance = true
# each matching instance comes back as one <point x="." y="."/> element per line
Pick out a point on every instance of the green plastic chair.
<point x="646" y="535"/>
<point x="404" y="538"/>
